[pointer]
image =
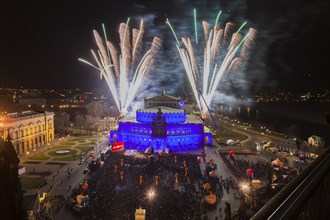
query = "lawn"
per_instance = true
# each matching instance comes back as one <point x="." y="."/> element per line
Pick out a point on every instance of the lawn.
<point x="80" y="138"/>
<point x="93" y="140"/>
<point x="54" y="154"/>
<point x="31" y="182"/>
<point x="58" y="147"/>
<point x="228" y="134"/>
<point x="84" y="148"/>
<point x="68" y="143"/>
<point x="67" y="158"/>
<point x="39" y="156"/>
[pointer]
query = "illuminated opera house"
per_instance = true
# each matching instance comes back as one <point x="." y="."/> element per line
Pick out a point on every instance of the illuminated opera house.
<point x="162" y="124"/>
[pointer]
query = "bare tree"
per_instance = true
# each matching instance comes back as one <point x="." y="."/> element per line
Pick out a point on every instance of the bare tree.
<point x="62" y="121"/>
<point x="95" y="109"/>
<point x="79" y="121"/>
<point x="91" y="123"/>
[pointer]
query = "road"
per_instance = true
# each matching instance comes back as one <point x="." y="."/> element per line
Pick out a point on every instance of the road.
<point x="77" y="176"/>
<point x="255" y="135"/>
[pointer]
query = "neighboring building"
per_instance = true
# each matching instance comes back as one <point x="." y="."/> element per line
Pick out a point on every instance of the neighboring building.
<point x="161" y="126"/>
<point x="28" y="130"/>
<point x="298" y="146"/>
<point x="108" y="123"/>
<point x="316" y="141"/>
<point x="11" y="199"/>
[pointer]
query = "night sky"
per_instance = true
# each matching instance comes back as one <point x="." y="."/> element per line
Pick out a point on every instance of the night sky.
<point x="42" y="40"/>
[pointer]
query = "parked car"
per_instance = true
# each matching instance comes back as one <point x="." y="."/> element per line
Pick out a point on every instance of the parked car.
<point x="85" y="171"/>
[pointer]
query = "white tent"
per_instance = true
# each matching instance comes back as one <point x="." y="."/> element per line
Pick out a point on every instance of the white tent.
<point x="230" y="142"/>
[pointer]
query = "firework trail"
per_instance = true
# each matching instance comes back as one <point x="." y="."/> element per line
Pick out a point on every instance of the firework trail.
<point x="224" y="52"/>
<point x="125" y="69"/>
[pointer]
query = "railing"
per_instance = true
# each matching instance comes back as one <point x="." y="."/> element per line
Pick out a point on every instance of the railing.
<point x="304" y="197"/>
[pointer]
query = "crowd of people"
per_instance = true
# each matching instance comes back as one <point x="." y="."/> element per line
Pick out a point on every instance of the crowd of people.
<point x="261" y="170"/>
<point x="238" y="167"/>
<point x="49" y="206"/>
<point x="269" y="178"/>
<point x="169" y="187"/>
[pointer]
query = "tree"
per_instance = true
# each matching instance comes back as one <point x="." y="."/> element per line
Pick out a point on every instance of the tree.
<point x="79" y="121"/>
<point x="95" y="109"/>
<point x="61" y="122"/>
<point x="91" y="123"/>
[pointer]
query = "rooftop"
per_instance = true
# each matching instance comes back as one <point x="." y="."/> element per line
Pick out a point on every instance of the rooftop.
<point x="24" y="114"/>
<point x="163" y="97"/>
<point x="318" y="138"/>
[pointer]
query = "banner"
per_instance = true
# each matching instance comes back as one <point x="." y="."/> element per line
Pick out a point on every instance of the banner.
<point x="117" y="146"/>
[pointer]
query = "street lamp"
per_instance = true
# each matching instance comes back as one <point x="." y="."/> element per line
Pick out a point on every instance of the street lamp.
<point x="151" y="194"/>
<point x="245" y="188"/>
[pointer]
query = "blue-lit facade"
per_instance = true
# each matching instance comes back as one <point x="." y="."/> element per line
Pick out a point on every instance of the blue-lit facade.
<point x="161" y="127"/>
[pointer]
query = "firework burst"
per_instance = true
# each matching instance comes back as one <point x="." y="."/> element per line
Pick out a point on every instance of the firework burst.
<point x="223" y="53"/>
<point x="124" y="69"/>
